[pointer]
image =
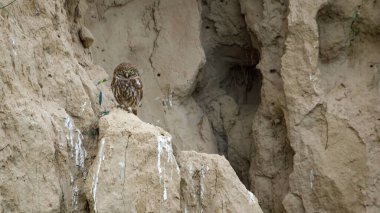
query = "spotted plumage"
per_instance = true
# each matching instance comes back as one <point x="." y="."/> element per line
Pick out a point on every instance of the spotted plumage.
<point x="127" y="87"/>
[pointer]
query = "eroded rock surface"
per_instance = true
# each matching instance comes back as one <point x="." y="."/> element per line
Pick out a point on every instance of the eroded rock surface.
<point x="136" y="170"/>
<point x="209" y="184"/>
<point x="162" y="38"/>
<point x="48" y="101"/>
<point x="332" y="105"/>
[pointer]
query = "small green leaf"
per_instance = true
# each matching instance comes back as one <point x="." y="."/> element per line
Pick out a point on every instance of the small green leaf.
<point x="101" y="81"/>
<point x="355" y="15"/>
<point x="105" y="112"/>
<point x="100" y="98"/>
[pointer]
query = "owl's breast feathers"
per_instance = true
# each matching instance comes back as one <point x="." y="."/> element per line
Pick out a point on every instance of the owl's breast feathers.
<point x="136" y="82"/>
<point x="127" y="91"/>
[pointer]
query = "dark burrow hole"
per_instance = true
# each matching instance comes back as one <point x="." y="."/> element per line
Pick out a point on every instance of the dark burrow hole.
<point x="229" y="87"/>
<point x="243" y="83"/>
<point x="230" y="80"/>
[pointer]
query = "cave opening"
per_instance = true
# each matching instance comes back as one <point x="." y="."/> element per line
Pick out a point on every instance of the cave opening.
<point x="243" y="80"/>
<point x="229" y="84"/>
<point x="228" y="91"/>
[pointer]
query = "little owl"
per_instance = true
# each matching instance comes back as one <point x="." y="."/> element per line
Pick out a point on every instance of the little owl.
<point x="127" y="87"/>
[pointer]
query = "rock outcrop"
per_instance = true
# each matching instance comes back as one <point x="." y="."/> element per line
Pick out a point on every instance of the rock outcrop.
<point x="209" y="184"/>
<point x="136" y="170"/>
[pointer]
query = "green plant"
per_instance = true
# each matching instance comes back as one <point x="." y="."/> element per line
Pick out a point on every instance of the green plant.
<point x="100" y="98"/>
<point x="355" y="21"/>
<point x="94" y="127"/>
<point x="354" y="28"/>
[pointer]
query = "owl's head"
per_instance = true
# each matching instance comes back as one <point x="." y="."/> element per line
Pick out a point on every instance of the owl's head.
<point x="126" y="70"/>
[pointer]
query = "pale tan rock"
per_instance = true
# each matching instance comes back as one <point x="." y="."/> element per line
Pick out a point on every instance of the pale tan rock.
<point x="86" y="37"/>
<point x="293" y="203"/>
<point x="47" y="103"/>
<point x="271" y="157"/>
<point x="332" y="110"/>
<point x="135" y="169"/>
<point x="209" y="184"/>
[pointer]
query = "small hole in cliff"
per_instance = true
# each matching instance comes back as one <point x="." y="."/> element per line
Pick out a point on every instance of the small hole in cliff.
<point x="273" y="71"/>
<point x="240" y="82"/>
<point x="331" y="18"/>
<point x="207" y="27"/>
<point x="50" y="76"/>
<point x="371" y="65"/>
<point x="158" y="74"/>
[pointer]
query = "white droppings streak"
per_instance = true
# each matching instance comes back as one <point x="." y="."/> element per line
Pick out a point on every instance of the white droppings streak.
<point x="70" y="137"/>
<point x="80" y="151"/>
<point x="165" y="192"/>
<point x="74" y="199"/>
<point x="190" y="168"/>
<point x="13" y="42"/>
<point x="170" y="101"/>
<point x="122" y="170"/>
<point x="95" y="179"/>
<point x="164" y="145"/>
<point x="83" y="107"/>
<point x="311" y="177"/>
<point x="251" y="198"/>
<point x="75" y="145"/>
<point x="204" y="169"/>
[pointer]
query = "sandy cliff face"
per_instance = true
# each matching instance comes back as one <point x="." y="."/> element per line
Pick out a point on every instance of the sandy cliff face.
<point x="162" y="38"/>
<point x="286" y="90"/>
<point x="47" y="105"/>
<point x="332" y="105"/>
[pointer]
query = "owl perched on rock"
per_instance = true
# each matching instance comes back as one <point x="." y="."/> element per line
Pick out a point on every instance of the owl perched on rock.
<point x="127" y="87"/>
